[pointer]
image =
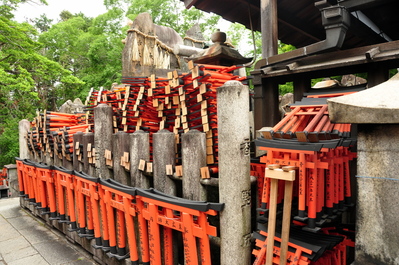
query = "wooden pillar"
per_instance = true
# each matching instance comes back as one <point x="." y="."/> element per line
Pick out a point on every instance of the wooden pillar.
<point x="120" y="146"/>
<point x="164" y="155"/>
<point x="266" y="103"/>
<point x="269" y="27"/>
<point x="102" y="138"/>
<point x="301" y="86"/>
<point x="234" y="173"/>
<point x="377" y="75"/>
<point x="88" y="145"/>
<point x="266" y="94"/>
<point x="194" y="158"/>
<point x="139" y="150"/>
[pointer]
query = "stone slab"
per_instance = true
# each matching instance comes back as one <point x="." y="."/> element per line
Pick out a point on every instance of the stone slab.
<point x="376" y="105"/>
<point x="28" y="240"/>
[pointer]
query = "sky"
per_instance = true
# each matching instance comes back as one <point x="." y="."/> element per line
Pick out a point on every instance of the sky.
<point x="91" y="8"/>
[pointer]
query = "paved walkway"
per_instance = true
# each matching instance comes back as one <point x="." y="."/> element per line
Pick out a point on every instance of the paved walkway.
<point x="26" y="241"/>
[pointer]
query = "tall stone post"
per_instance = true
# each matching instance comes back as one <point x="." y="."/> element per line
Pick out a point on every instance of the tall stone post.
<point x="194" y="158"/>
<point x="139" y="150"/>
<point x="120" y="145"/>
<point x="164" y="155"/>
<point x="88" y="145"/>
<point x="234" y="173"/>
<point x="102" y="138"/>
<point x="23" y="128"/>
<point x="376" y="110"/>
<point x="77" y="140"/>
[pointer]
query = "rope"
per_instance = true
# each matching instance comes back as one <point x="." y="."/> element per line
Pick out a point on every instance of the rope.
<point x="158" y="43"/>
<point x="193" y="40"/>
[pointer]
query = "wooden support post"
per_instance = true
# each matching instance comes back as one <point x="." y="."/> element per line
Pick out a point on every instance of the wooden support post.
<point x="288" y="175"/>
<point x="266" y="105"/>
<point x="120" y="146"/>
<point x="102" y="138"/>
<point x="285" y="234"/>
<point x="234" y="173"/>
<point x="164" y="155"/>
<point x="139" y="151"/>
<point x="77" y="152"/>
<point x="301" y="86"/>
<point x="376" y="75"/>
<point x="194" y="158"/>
<point x="269" y="27"/>
<point x="88" y="154"/>
<point x="271" y="226"/>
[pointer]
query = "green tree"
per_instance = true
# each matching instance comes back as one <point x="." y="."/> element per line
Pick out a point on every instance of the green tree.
<point x="42" y="23"/>
<point x="26" y="78"/>
<point x="90" y="47"/>
<point x="173" y="14"/>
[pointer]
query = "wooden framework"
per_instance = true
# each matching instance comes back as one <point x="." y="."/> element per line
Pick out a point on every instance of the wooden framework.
<point x="375" y="60"/>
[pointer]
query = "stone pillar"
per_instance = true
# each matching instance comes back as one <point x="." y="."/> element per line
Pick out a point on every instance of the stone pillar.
<point x="77" y="140"/>
<point x="234" y="173"/>
<point x="193" y="157"/>
<point x="48" y="159"/>
<point x="23" y="128"/>
<point x="120" y="145"/>
<point x="102" y="138"/>
<point x="376" y="110"/>
<point x="164" y="155"/>
<point x="88" y="145"/>
<point x="139" y="150"/>
<point x="68" y="164"/>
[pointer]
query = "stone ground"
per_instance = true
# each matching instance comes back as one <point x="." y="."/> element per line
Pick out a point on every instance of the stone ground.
<point x="25" y="240"/>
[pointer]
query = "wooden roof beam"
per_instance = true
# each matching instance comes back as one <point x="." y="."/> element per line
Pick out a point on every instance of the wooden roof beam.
<point x="353" y="5"/>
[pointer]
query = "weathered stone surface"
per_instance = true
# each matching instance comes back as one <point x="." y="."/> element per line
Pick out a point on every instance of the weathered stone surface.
<point x="234" y="175"/>
<point x="102" y="138"/>
<point x="164" y="155"/>
<point x="139" y="57"/>
<point x="139" y="150"/>
<point x="194" y="157"/>
<point x="379" y="105"/>
<point x="352" y="80"/>
<point x="23" y="128"/>
<point x="378" y="189"/>
<point x="72" y="107"/>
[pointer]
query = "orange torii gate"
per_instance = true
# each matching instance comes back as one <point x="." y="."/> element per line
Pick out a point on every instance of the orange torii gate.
<point x="109" y="212"/>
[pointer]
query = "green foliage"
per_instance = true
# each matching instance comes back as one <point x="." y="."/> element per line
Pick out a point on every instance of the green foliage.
<point x="90" y="48"/>
<point x="173" y="14"/>
<point x="42" y="23"/>
<point x="392" y="72"/>
<point x="26" y="78"/>
<point x="286" y="88"/>
<point x="9" y="143"/>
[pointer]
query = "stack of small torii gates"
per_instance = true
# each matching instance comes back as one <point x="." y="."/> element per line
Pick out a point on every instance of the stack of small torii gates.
<point x="52" y="133"/>
<point x="320" y="151"/>
<point x="178" y="103"/>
